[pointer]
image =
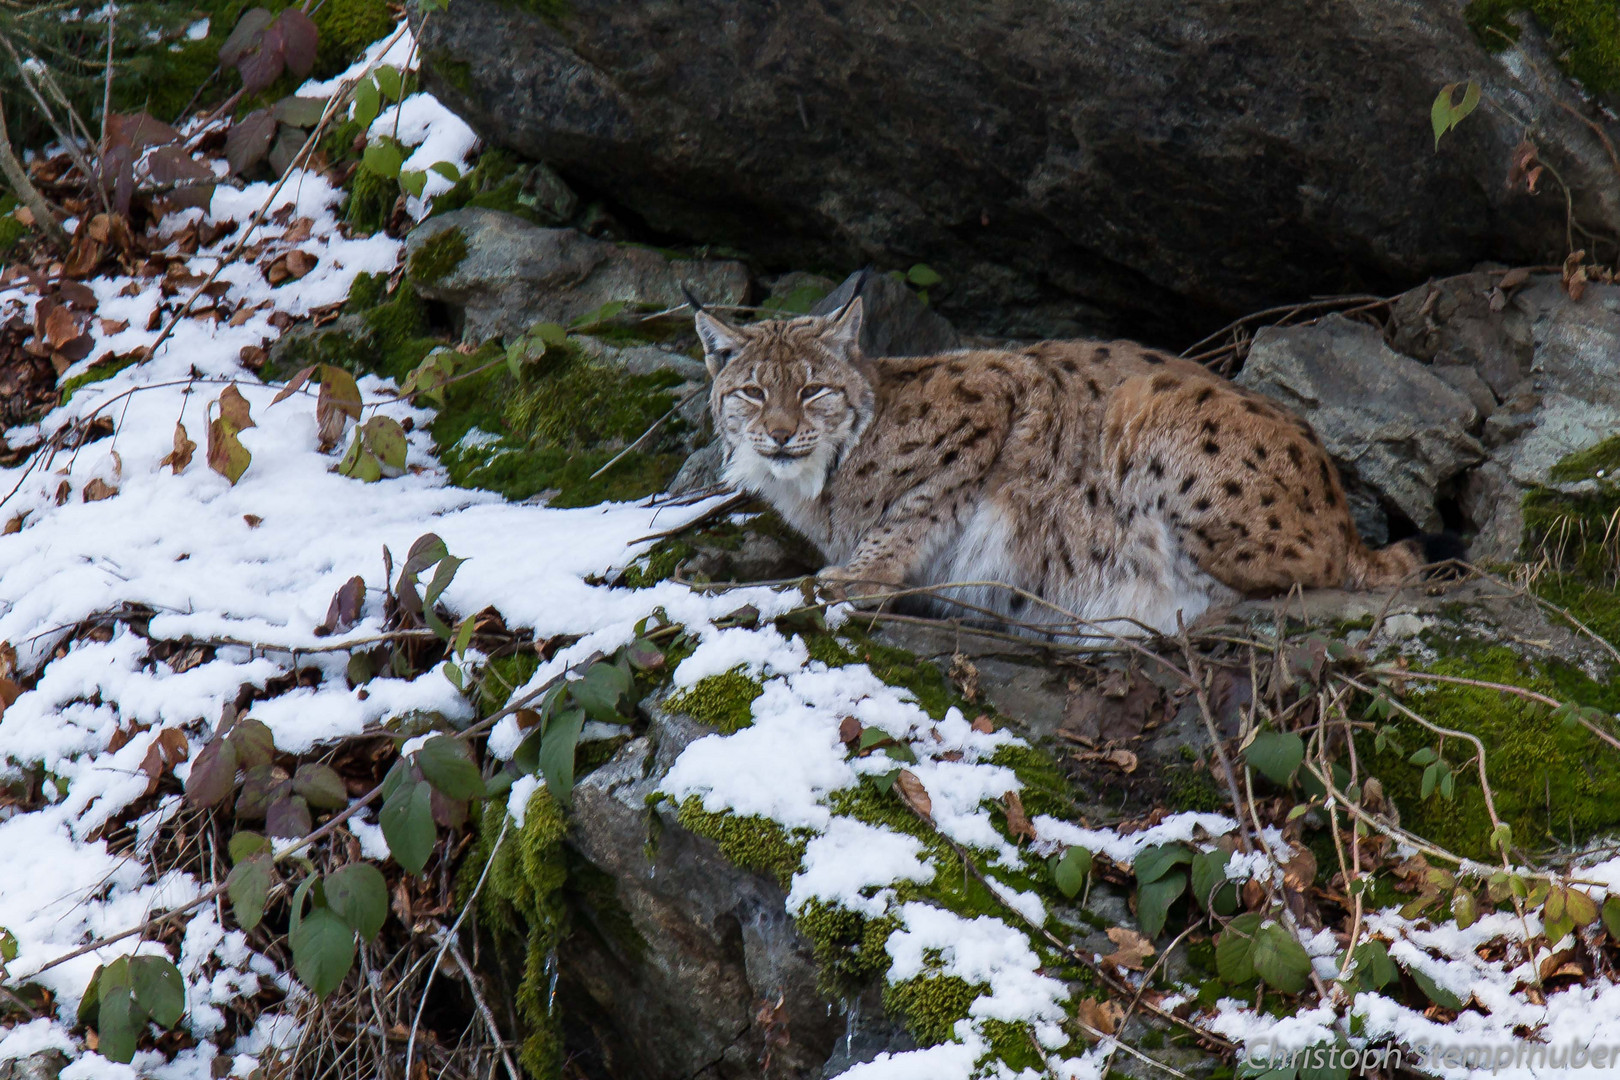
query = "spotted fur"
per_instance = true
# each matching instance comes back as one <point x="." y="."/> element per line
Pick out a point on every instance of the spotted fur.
<point x="1106" y="479"/>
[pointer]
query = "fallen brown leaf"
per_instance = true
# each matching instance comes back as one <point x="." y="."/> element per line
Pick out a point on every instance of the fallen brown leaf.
<point x="253" y="520"/>
<point x="98" y="489"/>
<point x="1102" y="1017"/>
<point x="1123" y="760"/>
<point x="233" y="408"/>
<point x="849" y="730"/>
<point x="180" y="457"/>
<point x="1018" y="822"/>
<point x="1132" y="948"/>
<point x="982" y="725"/>
<point x="915" y="795"/>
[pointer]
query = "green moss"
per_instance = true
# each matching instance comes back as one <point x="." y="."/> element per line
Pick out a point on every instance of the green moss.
<point x="523" y="900"/>
<point x="1597" y="606"/>
<point x="438" y="255"/>
<point x="753" y="843"/>
<point x="1549" y="781"/>
<point x="659" y="563"/>
<point x="550" y="11"/>
<point x="370" y="202"/>
<point x="1193" y="789"/>
<point x="458" y="73"/>
<point x="576" y="402"/>
<point x="1585" y="34"/>
<point x="11" y="230"/>
<point x="723" y="701"/>
<point x="931" y="1005"/>
<point x="96" y="374"/>
<point x="499" y="181"/>
<point x="1014" y="1044"/>
<point x="1594" y="463"/>
<point x="502" y="675"/>
<point x="1045" y="787"/>
<point x="367" y="292"/>
<point x="348" y="26"/>
<point x="849" y="948"/>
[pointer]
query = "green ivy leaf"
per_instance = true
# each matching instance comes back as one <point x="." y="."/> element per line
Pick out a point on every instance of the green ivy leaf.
<point x="1234" y="950"/>
<point x="1153" y="901"/>
<point x="358" y="894"/>
<point x="383" y="158"/>
<point x="557" y="753"/>
<point x="1426" y="755"/>
<point x="254" y="743"/>
<point x="1210" y="888"/>
<point x="923" y="276"/>
<point x="389" y="81"/>
<point x="449" y="766"/>
<point x="367" y="103"/>
<point x="446" y="169"/>
<point x="119" y="1019"/>
<point x="1152" y="863"/>
<point x="323" y="948"/>
<point x="1611" y="916"/>
<point x="1435" y="992"/>
<point x="1069" y="872"/>
<point x="1374" y="969"/>
<point x="412" y="182"/>
<point x="1275" y="755"/>
<point x="359" y="463"/>
<point x="159" y="989"/>
<point x="1447" y="112"/>
<point x="1280" y="960"/>
<point x="213" y="774"/>
<point x="8" y="947"/>
<point x="407" y="824"/>
<point x="248" y="886"/>
<point x="599" y="691"/>
<point x="321" y="786"/>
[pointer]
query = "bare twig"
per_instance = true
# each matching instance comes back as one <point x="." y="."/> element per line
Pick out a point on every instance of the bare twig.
<point x="17" y="177"/>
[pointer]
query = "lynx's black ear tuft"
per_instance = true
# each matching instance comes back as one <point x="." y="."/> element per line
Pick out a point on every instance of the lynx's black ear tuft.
<point x="691" y="300"/>
<point x="720" y="342"/>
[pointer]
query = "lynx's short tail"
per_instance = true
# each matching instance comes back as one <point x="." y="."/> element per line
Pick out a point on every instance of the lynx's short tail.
<point x="1398" y="563"/>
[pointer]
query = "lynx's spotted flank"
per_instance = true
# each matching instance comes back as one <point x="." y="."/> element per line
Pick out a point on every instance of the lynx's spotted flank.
<point x="1110" y="480"/>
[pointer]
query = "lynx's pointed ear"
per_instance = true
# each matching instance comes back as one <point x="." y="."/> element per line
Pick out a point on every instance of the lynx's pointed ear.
<point x="720" y="342"/>
<point x="843" y="330"/>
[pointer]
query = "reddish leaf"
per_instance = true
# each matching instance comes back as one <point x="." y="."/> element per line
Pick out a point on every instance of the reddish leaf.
<point x="288" y="817"/>
<point x="139" y="131"/>
<point x="245" y="36"/>
<point x="262" y="67"/>
<point x="295" y="384"/>
<point x="849" y="730"/>
<point x="213" y="774"/>
<point x="299" y="39"/>
<point x="254" y="744"/>
<point x="167" y="750"/>
<point x="261" y="786"/>
<point x="249" y="140"/>
<point x="345" y="609"/>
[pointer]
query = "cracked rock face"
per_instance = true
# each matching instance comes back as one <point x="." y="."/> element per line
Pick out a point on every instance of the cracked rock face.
<point x="1392" y="424"/>
<point x="1132" y="167"/>
<point x="514" y="273"/>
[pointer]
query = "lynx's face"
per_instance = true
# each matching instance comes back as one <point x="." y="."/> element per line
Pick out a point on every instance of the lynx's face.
<point x="790" y="397"/>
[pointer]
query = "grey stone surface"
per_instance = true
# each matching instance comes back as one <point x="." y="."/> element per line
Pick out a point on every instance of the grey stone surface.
<point x="1140" y="167"/>
<point x="1389" y="422"/>
<point x="711" y="942"/>
<point x="896" y="321"/>
<point x="516" y="274"/>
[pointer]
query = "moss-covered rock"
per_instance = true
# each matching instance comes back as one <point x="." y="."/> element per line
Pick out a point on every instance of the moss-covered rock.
<point x="723" y="701"/>
<point x="1585" y="34"/>
<point x="1549" y="780"/>
<point x="499" y="181"/>
<point x="753" y="843"/>
<point x="436" y="258"/>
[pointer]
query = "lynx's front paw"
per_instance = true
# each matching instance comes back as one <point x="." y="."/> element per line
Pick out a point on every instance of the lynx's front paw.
<point x="842" y="583"/>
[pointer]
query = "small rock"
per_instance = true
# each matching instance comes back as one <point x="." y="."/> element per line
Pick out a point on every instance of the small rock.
<point x="506" y="274"/>
<point x="896" y="322"/>
<point x="1388" y="421"/>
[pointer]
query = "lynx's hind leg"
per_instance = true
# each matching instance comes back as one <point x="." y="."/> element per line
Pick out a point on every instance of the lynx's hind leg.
<point x="1247" y="490"/>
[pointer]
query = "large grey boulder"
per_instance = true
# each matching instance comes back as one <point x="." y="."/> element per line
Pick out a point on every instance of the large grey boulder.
<point x="1392" y="425"/>
<point x="506" y="273"/>
<point x="1126" y="166"/>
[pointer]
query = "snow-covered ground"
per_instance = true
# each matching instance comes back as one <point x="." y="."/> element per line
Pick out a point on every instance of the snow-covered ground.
<point x="254" y="566"/>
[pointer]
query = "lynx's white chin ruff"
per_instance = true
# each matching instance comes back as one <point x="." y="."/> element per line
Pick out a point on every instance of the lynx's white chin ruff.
<point x="779" y="481"/>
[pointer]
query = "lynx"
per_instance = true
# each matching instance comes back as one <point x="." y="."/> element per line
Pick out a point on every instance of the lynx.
<point x="1101" y="481"/>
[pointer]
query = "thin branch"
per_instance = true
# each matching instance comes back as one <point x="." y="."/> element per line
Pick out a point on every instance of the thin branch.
<point x="17" y="177"/>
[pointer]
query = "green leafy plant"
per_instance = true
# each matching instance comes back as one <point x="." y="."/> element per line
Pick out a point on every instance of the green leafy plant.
<point x="125" y="995"/>
<point x="1449" y="110"/>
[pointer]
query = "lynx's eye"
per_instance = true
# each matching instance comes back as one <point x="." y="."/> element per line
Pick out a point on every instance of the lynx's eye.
<point x="814" y="391"/>
<point x="756" y="394"/>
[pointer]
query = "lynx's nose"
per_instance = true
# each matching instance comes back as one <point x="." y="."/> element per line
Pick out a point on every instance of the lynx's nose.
<point x="781" y="435"/>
